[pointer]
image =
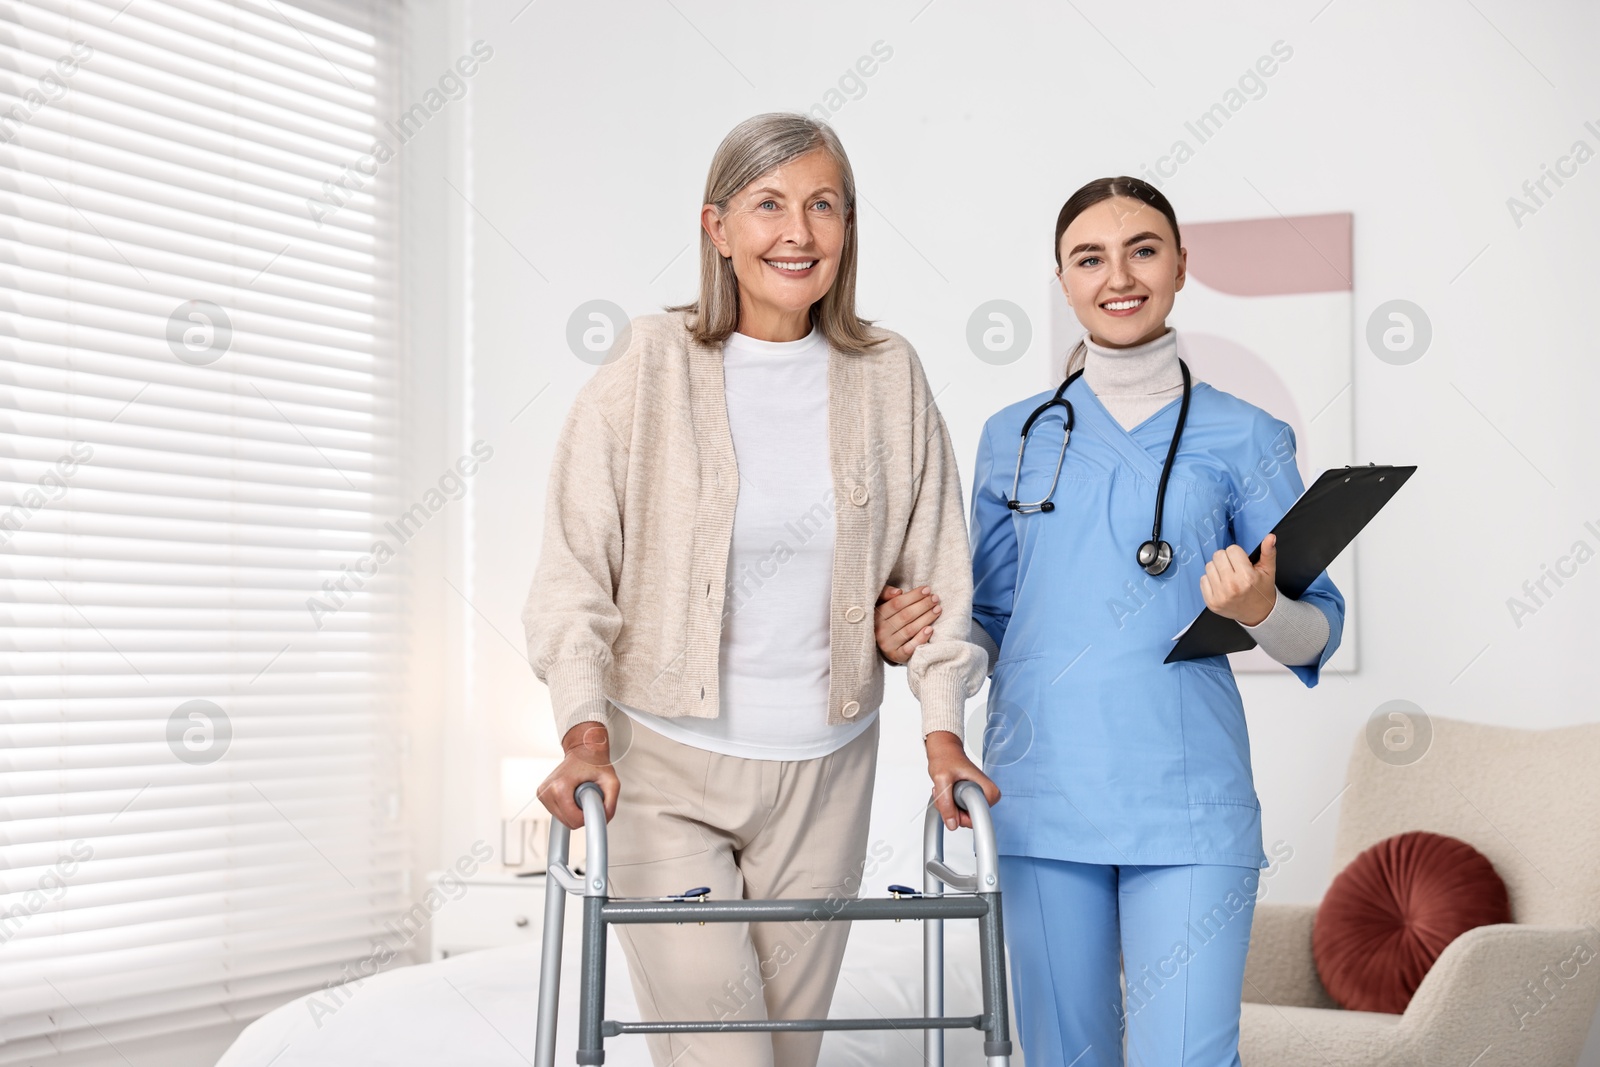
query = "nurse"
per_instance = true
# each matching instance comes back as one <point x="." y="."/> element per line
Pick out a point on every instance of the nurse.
<point x="1130" y="825"/>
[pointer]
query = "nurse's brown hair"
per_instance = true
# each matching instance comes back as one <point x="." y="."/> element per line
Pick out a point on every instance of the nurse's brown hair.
<point x="1093" y="193"/>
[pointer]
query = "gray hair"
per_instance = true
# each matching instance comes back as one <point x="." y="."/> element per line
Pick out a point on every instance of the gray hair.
<point x="754" y="147"/>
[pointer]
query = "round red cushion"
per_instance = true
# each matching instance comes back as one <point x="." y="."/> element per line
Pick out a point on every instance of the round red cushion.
<point x="1388" y="915"/>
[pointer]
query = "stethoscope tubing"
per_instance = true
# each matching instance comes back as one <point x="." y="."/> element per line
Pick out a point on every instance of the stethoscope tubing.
<point x="1159" y="553"/>
<point x="1044" y="504"/>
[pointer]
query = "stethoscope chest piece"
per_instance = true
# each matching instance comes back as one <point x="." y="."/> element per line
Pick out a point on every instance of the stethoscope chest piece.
<point x="1155" y="556"/>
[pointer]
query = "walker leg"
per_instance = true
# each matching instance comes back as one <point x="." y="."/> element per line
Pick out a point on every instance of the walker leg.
<point x="596" y="887"/>
<point x="932" y="942"/>
<point x="992" y="957"/>
<point x="555" y="907"/>
<point x="592" y="1005"/>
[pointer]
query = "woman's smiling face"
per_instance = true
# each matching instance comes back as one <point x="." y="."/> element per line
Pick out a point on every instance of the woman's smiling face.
<point x="1120" y="269"/>
<point x="784" y="233"/>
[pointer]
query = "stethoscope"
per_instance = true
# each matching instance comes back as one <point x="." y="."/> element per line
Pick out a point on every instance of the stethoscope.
<point x="1155" y="555"/>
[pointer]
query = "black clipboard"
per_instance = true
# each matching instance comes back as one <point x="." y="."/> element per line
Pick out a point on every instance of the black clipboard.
<point x="1322" y="522"/>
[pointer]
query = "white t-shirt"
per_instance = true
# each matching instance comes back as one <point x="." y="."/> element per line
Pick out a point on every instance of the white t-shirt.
<point x="773" y="663"/>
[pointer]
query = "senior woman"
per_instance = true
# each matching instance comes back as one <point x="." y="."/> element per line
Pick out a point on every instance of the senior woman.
<point x="728" y="497"/>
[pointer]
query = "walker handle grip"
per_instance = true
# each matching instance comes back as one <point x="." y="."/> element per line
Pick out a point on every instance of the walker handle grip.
<point x="595" y="868"/>
<point x="969" y="796"/>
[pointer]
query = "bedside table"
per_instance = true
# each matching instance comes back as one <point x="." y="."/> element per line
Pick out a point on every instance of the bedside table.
<point x="498" y="908"/>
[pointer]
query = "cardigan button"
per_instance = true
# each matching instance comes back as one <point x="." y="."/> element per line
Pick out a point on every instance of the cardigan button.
<point x="851" y="709"/>
<point x="858" y="495"/>
<point x="854" y="614"/>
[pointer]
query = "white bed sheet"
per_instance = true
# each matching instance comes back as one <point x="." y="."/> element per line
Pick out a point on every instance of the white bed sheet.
<point x="478" y="1009"/>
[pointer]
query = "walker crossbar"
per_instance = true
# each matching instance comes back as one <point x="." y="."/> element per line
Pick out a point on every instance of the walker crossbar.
<point x="794" y="910"/>
<point x="979" y="898"/>
<point x="711" y="1026"/>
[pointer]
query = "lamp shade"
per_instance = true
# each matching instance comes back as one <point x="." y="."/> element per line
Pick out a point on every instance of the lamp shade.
<point x="519" y="786"/>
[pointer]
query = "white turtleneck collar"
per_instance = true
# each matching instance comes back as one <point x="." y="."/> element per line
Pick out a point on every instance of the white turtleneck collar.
<point x="1134" y="383"/>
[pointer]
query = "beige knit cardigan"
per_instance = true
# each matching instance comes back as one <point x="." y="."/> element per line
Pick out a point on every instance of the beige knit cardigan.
<point x="628" y="596"/>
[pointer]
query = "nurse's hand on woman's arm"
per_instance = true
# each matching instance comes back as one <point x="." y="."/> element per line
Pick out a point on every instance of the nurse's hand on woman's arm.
<point x="947" y="765"/>
<point x="905" y="620"/>
<point x="587" y="758"/>
<point x="1240" y="590"/>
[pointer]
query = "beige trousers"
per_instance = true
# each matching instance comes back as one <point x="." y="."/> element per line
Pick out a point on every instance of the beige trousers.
<point x="749" y="829"/>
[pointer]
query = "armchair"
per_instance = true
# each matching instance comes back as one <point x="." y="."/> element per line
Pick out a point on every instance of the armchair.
<point x="1510" y="995"/>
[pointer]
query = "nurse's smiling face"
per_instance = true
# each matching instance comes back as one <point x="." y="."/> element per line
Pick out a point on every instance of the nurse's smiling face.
<point x="1120" y="269"/>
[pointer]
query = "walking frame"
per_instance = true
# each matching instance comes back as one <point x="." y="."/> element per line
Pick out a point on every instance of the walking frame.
<point x="972" y="896"/>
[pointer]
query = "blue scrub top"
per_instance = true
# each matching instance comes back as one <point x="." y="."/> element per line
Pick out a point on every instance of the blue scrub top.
<point x="1103" y="753"/>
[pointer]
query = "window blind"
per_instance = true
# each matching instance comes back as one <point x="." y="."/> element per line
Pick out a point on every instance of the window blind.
<point x="199" y="791"/>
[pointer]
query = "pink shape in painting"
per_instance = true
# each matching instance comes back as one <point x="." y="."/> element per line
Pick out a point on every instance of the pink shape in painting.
<point x="1270" y="257"/>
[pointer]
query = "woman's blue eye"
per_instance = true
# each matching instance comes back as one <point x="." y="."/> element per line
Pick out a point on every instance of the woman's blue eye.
<point x="1087" y="260"/>
<point x="1145" y="248"/>
<point x="764" y="203"/>
<point x="823" y="204"/>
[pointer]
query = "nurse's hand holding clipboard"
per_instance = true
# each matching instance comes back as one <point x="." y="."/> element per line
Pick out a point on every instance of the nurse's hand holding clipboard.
<point x="1240" y="590"/>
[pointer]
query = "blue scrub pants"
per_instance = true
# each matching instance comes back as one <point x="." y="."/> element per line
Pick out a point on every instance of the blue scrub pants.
<point x="1181" y="931"/>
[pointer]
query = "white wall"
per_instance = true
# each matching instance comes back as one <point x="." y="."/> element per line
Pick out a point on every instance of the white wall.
<point x="588" y="134"/>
